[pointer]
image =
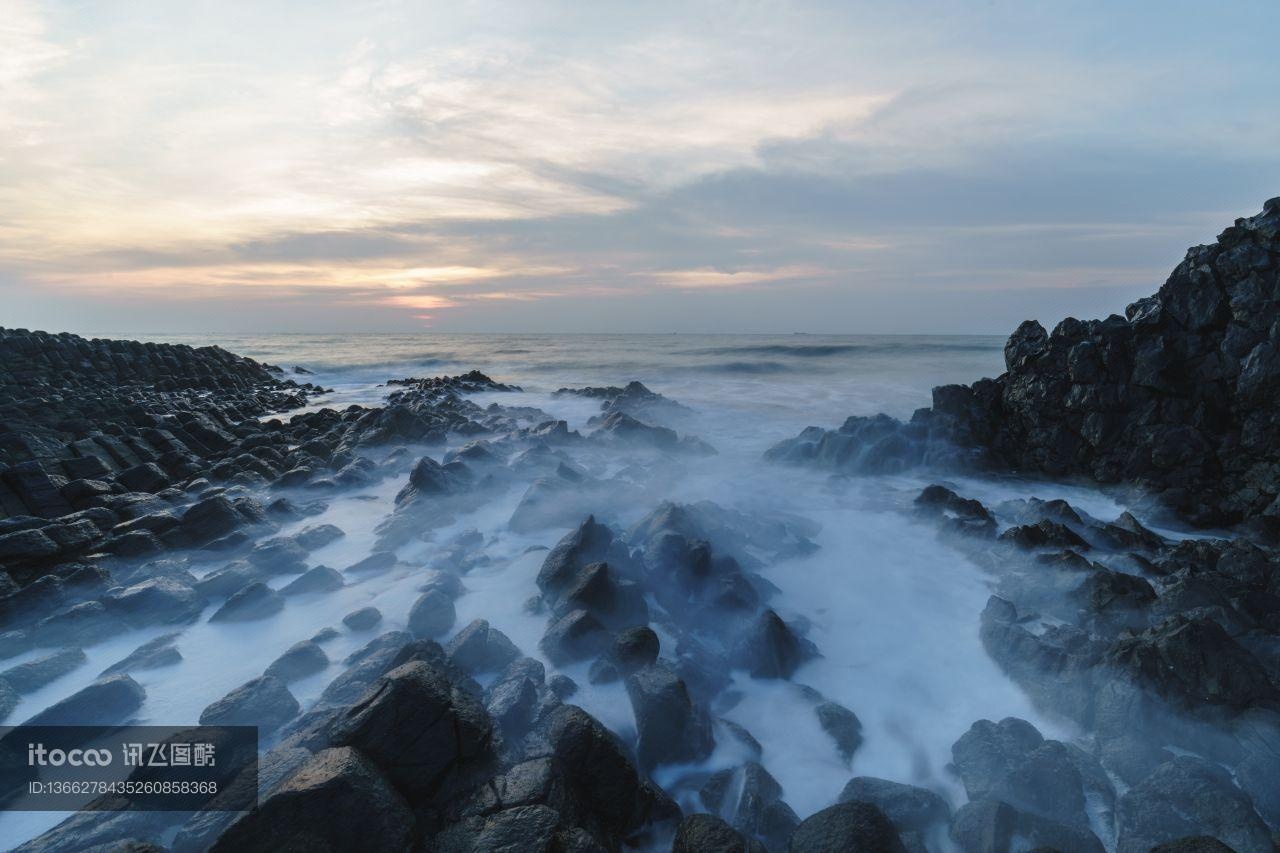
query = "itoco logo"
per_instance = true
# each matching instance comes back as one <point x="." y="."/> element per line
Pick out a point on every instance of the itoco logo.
<point x="37" y="755"/>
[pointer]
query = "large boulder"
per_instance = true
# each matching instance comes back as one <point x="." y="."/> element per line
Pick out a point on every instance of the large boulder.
<point x="704" y="833"/>
<point x="431" y="615"/>
<point x="770" y="649"/>
<point x="263" y="702"/>
<point x="339" y="800"/>
<point x="855" y="827"/>
<point x="414" y="723"/>
<point x="107" y="701"/>
<point x="672" y="728"/>
<point x="299" y="661"/>
<point x="255" y="601"/>
<point x="1184" y="797"/>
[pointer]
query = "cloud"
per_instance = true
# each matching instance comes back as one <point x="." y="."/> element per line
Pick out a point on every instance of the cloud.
<point x="468" y="160"/>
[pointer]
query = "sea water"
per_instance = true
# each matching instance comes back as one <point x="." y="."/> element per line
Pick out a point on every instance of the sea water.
<point x="891" y="607"/>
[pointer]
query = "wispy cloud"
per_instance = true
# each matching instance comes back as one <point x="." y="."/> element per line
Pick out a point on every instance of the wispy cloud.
<point x="448" y="161"/>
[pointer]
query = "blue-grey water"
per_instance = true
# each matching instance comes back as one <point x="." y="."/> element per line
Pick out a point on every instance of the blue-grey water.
<point x="893" y="609"/>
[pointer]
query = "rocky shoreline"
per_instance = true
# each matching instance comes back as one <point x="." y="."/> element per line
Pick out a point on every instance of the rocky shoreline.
<point x="150" y="485"/>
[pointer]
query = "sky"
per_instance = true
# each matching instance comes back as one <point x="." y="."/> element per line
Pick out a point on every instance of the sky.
<point x="859" y="167"/>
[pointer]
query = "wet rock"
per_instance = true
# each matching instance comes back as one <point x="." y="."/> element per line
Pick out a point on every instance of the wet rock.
<point x="26" y="546"/>
<point x="299" y="661"/>
<point x="672" y="728"/>
<point x="32" y="675"/>
<point x="147" y="477"/>
<point x="1045" y="534"/>
<point x="847" y="826"/>
<point x="318" y="535"/>
<point x="1010" y="761"/>
<point x="83" y="624"/>
<point x="278" y="556"/>
<point x="960" y="515"/>
<point x="562" y="686"/>
<point x="378" y="561"/>
<point x="364" y="619"/>
<point x="751" y="800"/>
<point x="227" y="580"/>
<point x="634" y="648"/>
<point x="985" y="825"/>
<point x="1194" y="661"/>
<point x="592" y="542"/>
<point x="533" y="828"/>
<point x="152" y="654"/>
<point x="512" y="703"/>
<point x="770" y="649"/>
<point x="431" y="479"/>
<point x="575" y="636"/>
<point x="339" y="800"/>
<point x="704" y="833"/>
<point x="481" y="648"/>
<point x="210" y="519"/>
<point x="264" y="702"/>
<point x="842" y="725"/>
<point x="599" y="778"/>
<point x="317" y="579"/>
<point x="107" y="701"/>
<point x="1257" y="776"/>
<point x="415" y="724"/>
<point x="1184" y="797"/>
<point x="908" y="807"/>
<point x="255" y="601"/>
<point x="157" y="601"/>
<point x="431" y="615"/>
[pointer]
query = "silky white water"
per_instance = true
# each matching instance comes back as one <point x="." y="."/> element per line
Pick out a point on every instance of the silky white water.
<point x="892" y="608"/>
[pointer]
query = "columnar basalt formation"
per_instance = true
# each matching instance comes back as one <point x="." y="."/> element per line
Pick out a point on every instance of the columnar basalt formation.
<point x="1179" y="398"/>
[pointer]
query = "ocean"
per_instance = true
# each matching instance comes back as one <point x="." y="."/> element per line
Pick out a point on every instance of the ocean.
<point x="892" y="608"/>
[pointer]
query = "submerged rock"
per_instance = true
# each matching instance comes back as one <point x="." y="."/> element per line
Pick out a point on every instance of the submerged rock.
<point x="263" y="702"/>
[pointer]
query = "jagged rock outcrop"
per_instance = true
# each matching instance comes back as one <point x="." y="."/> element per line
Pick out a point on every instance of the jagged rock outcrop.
<point x="1177" y="398"/>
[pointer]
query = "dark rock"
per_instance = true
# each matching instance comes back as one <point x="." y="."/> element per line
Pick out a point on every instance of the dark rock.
<point x="1189" y="796"/>
<point x="34" y="674"/>
<point x="481" y="648"/>
<point x="704" y="833"/>
<point x="318" y="535"/>
<point x="431" y="615"/>
<point x="364" y="619"/>
<point x="575" y="636"/>
<point x="847" y="826"/>
<point x="339" y="800"/>
<point x="378" y="561"/>
<point x="160" y="600"/>
<point x="152" y="654"/>
<point x="1194" y="661"/>
<point x="255" y="601"/>
<point x="264" y="702"/>
<point x="634" y="648"/>
<point x="770" y="649"/>
<point x="672" y="728"/>
<point x="907" y="806"/>
<point x="562" y="686"/>
<point x="416" y="725"/>
<point x="299" y="661"/>
<point x="227" y="580"/>
<point x="107" y="701"/>
<point x="1193" y="844"/>
<point x="985" y="825"/>
<point x="751" y="800"/>
<point x="843" y="725"/>
<point x="317" y="579"/>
